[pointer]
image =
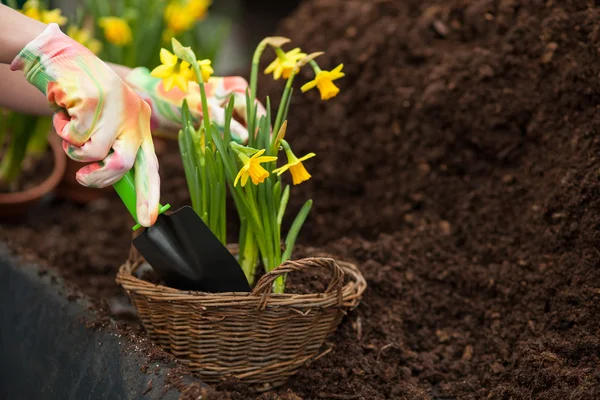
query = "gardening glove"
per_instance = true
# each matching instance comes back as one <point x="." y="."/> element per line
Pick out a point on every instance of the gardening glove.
<point x="95" y="112"/>
<point x="166" y="106"/>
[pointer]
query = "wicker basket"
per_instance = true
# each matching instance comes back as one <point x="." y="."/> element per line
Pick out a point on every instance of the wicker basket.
<point x="260" y="338"/>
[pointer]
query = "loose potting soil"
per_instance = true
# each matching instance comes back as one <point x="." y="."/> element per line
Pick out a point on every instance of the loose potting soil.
<point x="459" y="168"/>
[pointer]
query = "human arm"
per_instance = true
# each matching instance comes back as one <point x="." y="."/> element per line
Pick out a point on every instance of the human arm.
<point x="100" y="119"/>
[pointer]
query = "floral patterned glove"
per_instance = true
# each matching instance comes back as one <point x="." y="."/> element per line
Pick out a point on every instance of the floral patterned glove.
<point x="98" y="116"/>
<point x="166" y="105"/>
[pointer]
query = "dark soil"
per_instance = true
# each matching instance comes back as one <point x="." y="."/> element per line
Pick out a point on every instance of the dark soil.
<point x="34" y="171"/>
<point x="459" y="168"/>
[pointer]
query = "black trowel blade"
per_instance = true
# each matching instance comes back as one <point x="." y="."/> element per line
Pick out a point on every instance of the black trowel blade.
<point x="187" y="255"/>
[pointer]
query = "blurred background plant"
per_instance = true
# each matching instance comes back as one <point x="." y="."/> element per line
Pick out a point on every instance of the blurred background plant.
<point x="131" y="32"/>
<point x="23" y="138"/>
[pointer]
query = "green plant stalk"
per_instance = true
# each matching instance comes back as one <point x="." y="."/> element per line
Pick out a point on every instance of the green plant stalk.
<point x="4" y="117"/>
<point x="248" y="252"/>
<point x="205" y="116"/>
<point x="254" y="70"/>
<point x="315" y="66"/>
<point x="38" y="143"/>
<point x="189" y="159"/>
<point x="283" y="104"/>
<point x="22" y="127"/>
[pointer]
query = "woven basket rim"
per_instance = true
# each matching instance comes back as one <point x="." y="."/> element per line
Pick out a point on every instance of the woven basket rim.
<point x="350" y="295"/>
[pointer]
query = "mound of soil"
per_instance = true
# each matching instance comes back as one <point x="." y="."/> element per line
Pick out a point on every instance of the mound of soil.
<point x="459" y="168"/>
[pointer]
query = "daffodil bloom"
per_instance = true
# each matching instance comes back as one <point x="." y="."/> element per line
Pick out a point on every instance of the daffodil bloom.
<point x="324" y="82"/>
<point x="116" y="30"/>
<point x="294" y="164"/>
<point x="252" y="168"/>
<point x="33" y="10"/>
<point x="205" y="69"/>
<point x="284" y="64"/>
<point x="53" y="16"/>
<point x="85" y="38"/>
<point x="172" y="72"/>
<point x="178" y="18"/>
<point x="198" y="8"/>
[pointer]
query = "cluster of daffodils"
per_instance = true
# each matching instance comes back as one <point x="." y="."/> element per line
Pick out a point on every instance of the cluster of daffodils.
<point x="132" y="35"/>
<point x="216" y="164"/>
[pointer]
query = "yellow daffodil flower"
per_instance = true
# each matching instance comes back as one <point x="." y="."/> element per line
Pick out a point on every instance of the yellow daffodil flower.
<point x="33" y="10"/>
<point x="324" y="82"/>
<point x="34" y="13"/>
<point x="172" y="72"/>
<point x="284" y="64"/>
<point x="294" y="164"/>
<point x="252" y="168"/>
<point x="116" y="30"/>
<point x="84" y="37"/>
<point x="54" y="16"/>
<point x="205" y="69"/>
<point x="178" y="18"/>
<point x="198" y="8"/>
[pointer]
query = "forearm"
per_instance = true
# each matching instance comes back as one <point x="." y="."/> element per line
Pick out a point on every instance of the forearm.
<point x="19" y="95"/>
<point x="16" y="30"/>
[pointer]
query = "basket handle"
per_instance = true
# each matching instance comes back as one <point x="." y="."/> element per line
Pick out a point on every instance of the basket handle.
<point x="265" y="283"/>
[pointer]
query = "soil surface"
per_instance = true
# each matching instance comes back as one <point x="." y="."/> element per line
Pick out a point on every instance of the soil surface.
<point x="34" y="171"/>
<point x="458" y="167"/>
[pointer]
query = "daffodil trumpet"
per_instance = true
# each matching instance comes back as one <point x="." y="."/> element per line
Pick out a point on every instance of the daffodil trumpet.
<point x="324" y="81"/>
<point x="294" y="165"/>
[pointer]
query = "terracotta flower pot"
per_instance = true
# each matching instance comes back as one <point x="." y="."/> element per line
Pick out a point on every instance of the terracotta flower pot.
<point x="19" y="203"/>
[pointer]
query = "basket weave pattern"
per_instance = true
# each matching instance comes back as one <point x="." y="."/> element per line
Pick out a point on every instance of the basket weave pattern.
<point x="260" y="337"/>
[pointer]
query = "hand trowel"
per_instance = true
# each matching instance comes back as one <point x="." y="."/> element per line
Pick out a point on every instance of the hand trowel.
<point x="182" y="249"/>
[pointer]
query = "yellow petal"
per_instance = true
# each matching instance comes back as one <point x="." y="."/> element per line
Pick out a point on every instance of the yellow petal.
<point x="271" y="66"/>
<point x="258" y="154"/>
<point x="162" y="71"/>
<point x="309" y="85"/>
<point x="278" y="72"/>
<point x="337" y="69"/>
<point x="244" y="179"/>
<point x="237" y="178"/>
<point x="169" y="82"/>
<point x="167" y="58"/>
<point x="281" y="169"/>
<point x="181" y="82"/>
<point x="306" y="157"/>
<point x="265" y="159"/>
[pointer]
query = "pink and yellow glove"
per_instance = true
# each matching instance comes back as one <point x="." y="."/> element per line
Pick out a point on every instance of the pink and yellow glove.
<point x="166" y="106"/>
<point x="96" y="112"/>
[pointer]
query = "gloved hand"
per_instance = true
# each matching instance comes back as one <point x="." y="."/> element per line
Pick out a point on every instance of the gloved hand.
<point x="96" y="112"/>
<point x="166" y="106"/>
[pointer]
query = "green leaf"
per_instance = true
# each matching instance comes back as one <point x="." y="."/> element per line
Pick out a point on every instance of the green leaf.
<point x="283" y="205"/>
<point x="228" y="118"/>
<point x="250" y="123"/>
<point x="277" y="193"/>
<point x="292" y="235"/>
<point x="287" y="105"/>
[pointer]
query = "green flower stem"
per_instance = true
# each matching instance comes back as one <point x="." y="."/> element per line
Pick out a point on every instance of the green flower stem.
<point x="283" y="104"/>
<point x="315" y="66"/>
<point x="205" y="116"/>
<point x="254" y="72"/>
<point x="249" y="253"/>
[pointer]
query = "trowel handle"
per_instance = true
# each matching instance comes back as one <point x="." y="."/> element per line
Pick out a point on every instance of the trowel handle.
<point x="125" y="188"/>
